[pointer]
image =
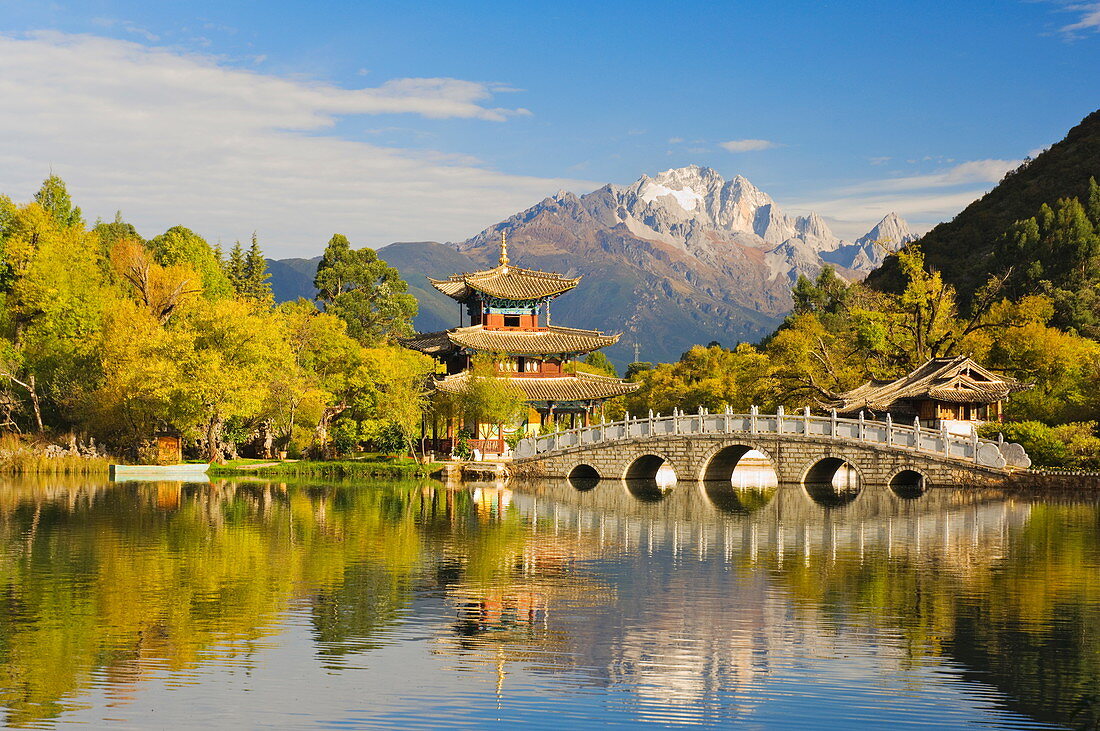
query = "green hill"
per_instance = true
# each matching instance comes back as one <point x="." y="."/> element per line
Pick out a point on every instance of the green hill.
<point x="965" y="249"/>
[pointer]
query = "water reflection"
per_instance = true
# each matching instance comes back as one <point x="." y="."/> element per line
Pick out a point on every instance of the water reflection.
<point x="714" y="603"/>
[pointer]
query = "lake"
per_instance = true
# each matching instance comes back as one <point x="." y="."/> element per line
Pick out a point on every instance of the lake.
<point x="550" y="604"/>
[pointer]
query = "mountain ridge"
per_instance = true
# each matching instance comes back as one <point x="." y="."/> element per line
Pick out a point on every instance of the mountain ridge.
<point x="672" y="260"/>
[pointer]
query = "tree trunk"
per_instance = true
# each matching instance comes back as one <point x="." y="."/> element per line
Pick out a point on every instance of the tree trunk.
<point x="320" y="434"/>
<point x="34" y="402"/>
<point x="214" y="438"/>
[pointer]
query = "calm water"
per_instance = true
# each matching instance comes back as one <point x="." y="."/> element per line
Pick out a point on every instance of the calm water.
<point x="413" y="605"/>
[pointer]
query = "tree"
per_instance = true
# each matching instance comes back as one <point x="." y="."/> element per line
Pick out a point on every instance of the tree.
<point x="826" y="295"/>
<point x="111" y="233"/>
<point x="600" y="363"/>
<point x="488" y="397"/>
<point x="233" y="266"/>
<point x="54" y="198"/>
<point x="254" y="284"/>
<point x="713" y="378"/>
<point x="365" y="292"/>
<point x="159" y="289"/>
<point x="235" y="348"/>
<point x="180" y="245"/>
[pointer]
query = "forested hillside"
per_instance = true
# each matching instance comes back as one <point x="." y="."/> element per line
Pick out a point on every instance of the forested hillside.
<point x="967" y="249"/>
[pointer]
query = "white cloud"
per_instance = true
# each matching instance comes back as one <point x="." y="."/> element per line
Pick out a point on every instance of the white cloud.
<point x="175" y="138"/>
<point x="747" y="145"/>
<point x="966" y="173"/>
<point x="1089" y="19"/>
<point x="923" y="200"/>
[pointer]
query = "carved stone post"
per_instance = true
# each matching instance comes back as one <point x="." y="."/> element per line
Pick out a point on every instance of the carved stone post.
<point x="889" y="430"/>
<point x="806" y="421"/>
<point x="862" y="426"/>
<point x="916" y="433"/>
<point x="832" y="423"/>
<point x="779" y="420"/>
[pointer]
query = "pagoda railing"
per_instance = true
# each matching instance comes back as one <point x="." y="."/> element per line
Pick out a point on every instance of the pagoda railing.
<point x="911" y="437"/>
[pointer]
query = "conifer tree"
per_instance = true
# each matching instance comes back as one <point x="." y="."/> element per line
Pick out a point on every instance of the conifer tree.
<point x="254" y="284"/>
<point x="234" y="267"/>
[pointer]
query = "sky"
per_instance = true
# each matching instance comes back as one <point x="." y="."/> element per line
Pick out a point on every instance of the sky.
<point x="399" y="121"/>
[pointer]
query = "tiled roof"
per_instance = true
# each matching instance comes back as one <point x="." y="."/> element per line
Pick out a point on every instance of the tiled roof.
<point x="549" y="341"/>
<point x="955" y="380"/>
<point x="579" y="387"/>
<point x="430" y="343"/>
<point x="505" y="282"/>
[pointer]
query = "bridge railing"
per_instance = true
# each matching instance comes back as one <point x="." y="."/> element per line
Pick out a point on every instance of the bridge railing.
<point x="912" y="437"/>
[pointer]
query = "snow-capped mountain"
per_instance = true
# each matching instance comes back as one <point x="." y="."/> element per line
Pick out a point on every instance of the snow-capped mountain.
<point x="695" y="210"/>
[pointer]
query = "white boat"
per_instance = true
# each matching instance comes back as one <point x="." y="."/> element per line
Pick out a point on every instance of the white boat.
<point x="178" y="472"/>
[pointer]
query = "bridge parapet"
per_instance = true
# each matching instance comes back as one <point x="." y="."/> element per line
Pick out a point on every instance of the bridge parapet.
<point x="940" y="444"/>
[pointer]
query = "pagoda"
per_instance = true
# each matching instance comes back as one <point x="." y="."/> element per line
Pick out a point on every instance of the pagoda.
<point x="503" y="305"/>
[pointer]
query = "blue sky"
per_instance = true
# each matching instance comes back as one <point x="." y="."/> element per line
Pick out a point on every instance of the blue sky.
<point x="400" y="121"/>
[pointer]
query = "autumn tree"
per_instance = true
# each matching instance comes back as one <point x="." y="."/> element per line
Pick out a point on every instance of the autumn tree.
<point x="180" y="245"/>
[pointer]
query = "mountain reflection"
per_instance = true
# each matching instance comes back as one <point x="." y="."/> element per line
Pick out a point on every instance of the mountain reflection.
<point x="694" y="603"/>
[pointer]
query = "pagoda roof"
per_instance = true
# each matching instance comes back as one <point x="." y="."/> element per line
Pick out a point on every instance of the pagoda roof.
<point x="505" y="282"/>
<point x="552" y="340"/>
<point x="954" y="380"/>
<point x="579" y="387"/>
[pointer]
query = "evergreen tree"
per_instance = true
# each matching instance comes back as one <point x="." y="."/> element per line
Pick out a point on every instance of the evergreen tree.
<point x="254" y="284"/>
<point x="53" y="196"/>
<point x="234" y="267"/>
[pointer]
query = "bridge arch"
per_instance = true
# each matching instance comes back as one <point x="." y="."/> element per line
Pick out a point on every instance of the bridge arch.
<point x="647" y="476"/>
<point x="719" y="464"/>
<point x="909" y="483"/>
<point x="583" y="477"/>
<point x="646" y="465"/>
<point x="832" y="481"/>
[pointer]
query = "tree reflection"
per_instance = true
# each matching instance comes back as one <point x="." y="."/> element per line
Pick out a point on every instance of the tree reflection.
<point x="110" y="584"/>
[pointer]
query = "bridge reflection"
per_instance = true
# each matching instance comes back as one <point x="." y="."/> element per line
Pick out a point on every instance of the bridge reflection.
<point x="745" y="518"/>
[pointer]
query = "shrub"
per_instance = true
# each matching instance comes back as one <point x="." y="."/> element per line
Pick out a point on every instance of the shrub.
<point x="1066" y="446"/>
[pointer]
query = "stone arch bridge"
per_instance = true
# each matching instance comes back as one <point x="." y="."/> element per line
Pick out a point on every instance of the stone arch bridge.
<point x="802" y="448"/>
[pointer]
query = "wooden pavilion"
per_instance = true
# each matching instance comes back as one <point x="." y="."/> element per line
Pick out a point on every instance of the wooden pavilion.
<point x="953" y="392"/>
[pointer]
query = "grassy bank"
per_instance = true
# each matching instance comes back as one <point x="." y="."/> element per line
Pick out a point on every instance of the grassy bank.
<point x="40" y="464"/>
<point x="375" y="466"/>
<point x="23" y="456"/>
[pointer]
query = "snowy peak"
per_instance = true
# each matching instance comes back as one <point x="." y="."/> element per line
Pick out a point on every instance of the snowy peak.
<point x="813" y="226"/>
<point x="891" y="232"/>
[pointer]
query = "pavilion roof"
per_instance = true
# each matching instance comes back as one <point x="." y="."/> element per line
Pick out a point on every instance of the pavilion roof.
<point x="546" y="341"/>
<point x="505" y="282"/>
<point x="579" y="387"/>
<point x="955" y="380"/>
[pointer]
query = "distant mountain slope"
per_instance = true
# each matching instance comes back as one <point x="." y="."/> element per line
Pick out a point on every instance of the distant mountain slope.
<point x="682" y="258"/>
<point x="963" y="248"/>
<point x="292" y="278"/>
